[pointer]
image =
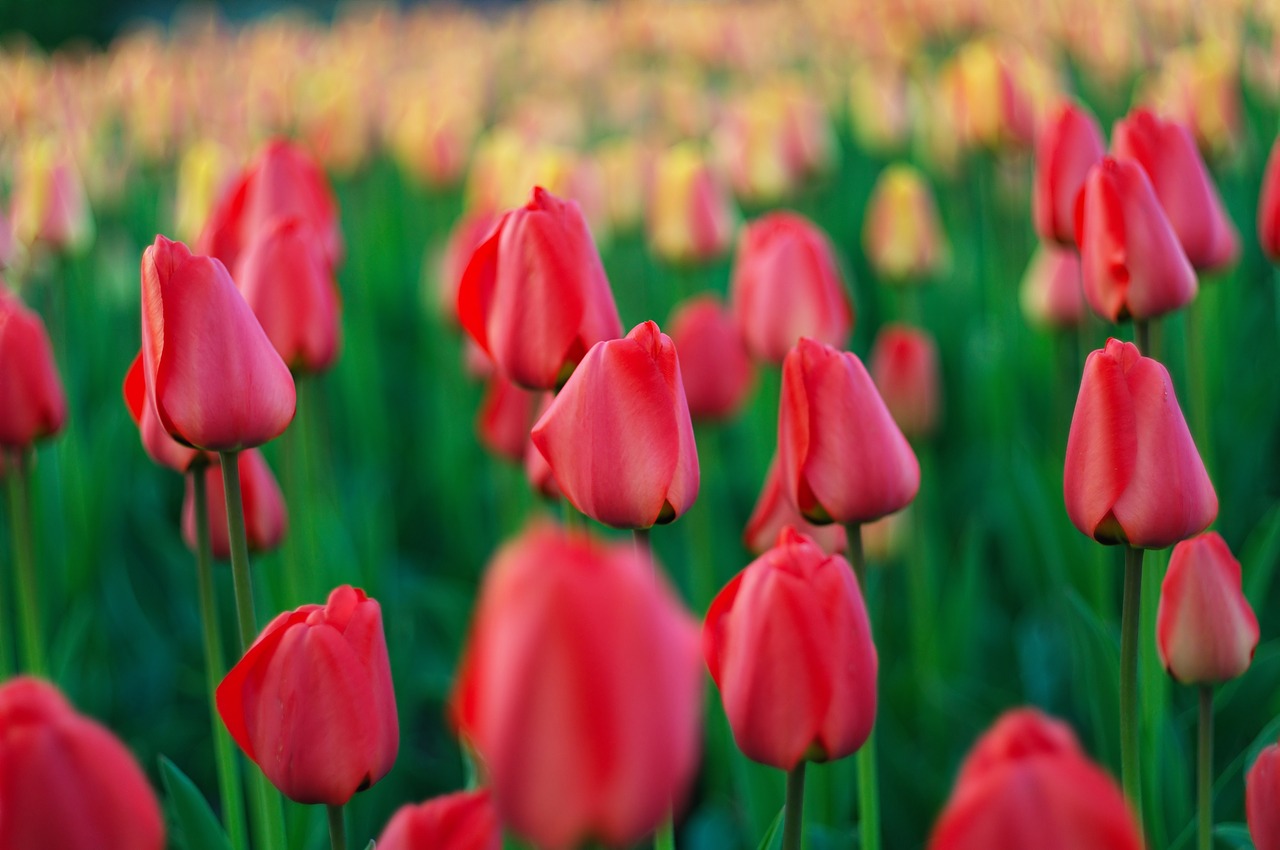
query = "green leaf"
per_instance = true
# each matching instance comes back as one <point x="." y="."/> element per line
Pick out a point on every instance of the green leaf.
<point x="198" y="827"/>
<point x="772" y="832"/>
<point x="1234" y="834"/>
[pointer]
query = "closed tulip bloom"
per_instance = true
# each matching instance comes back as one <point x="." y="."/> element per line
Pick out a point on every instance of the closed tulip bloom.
<point x="1025" y="784"/>
<point x="265" y="518"/>
<point x="619" y="437"/>
<point x="67" y="782"/>
<point x="1051" y="292"/>
<point x="904" y="367"/>
<point x="1133" y="474"/>
<point x="793" y="602"/>
<point x="1133" y="264"/>
<point x="714" y="362"/>
<point x="843" y="459"/>
<point x="1168" y="153"/>
<point x="156" y="442"/>
<point x="1269" y="206"/>
<point x="32" y="404"/>
<point x="535" y="296"/>
<point x="466" y="820"/>
<point x="311" y="702"/>
<point x="1205" y="630"/>
<point x="49" y="204"/>
<point x="691" y="215"/>
<point x="774" y="512"/>
<point x="787" y="284"/>
<point x="505" y="417"/>
<point x="467" y="234"/>
<point x="581" y="690"/>
<point x="285" y="278"/>
<point x="212" y="375"/>
<point x="902" y="233"/>
<point x="1069" y="144"/>
<point x="1262" y="799"/>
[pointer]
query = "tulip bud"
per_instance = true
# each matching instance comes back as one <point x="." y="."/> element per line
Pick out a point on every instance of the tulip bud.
<point x="786" y="285"/>
<point x="1051" y="288"/>
<point x="842" y="457"/>
<point x="1133" y="474"/>
<point x="466" y="820"/>
<point x="794" y="601"/>
<point x="1068" y="146"/>
<point x="311" y="702"/>
<point x="32" y="404"/>
<point x="66" y="781"/>
<point x="581" y="691"/>
<point x="466" y="235"/>
<point x="1262" y="799"/>
<point x="49" y="203"/>
<point x="156" y="442"/>
<point x="619" y="437"/>
<point x="691" y="215"/>
<point x="1205" y="630"/>
<point x="714" y="362"/>
<point x="902" y="234"/>
<point x="990" y="105"/>
<point x="1133" y="265"/>
<point x="904" y="367"/>
<point x="1269" y="206"/>
<point x="265" y="516"/>
<point x="505" y="418"/>
<point x="774" y="512"/>
<point x="535" y="296"/>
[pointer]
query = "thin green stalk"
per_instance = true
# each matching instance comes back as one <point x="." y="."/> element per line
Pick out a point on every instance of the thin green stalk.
<point x="665" y="837"/>
<point x="1129" y="760"/>
<point x="1205" y="767"/>
<point x="644" y="546"/>
<point x="857" y="557"/>
<point x="296" y="487"/>
<point x="337" y="828"/>
<point x="33" y="656"/>
<point x="865" y="759"/>
<point x="1142" y="336"/>
<point x="229" y="785"/>
<point x="793" y="822"/>
<point x="1196" y="317"/>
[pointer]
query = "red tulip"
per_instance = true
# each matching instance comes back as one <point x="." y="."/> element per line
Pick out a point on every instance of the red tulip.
<point x="581" y="691"/>
<point x="842" y="457"/>
<point x="311" y="702"/>
<point x="535" y="296"/>
<point x="1025" y="784"/>
<point x="285" y="278"/>
<point x="904" y="367"/>
<point x="466" y="820"/>
<point x="1070" y="143"/>
<point x="467" y="234"/>
<point x="1051" y="288"/>
<point x="1133" y="474"/>
<point x="283" y="181"/>
<point x="536" y="469"/>
<point x="618" y="436"/>
<point x="714" y="362"/>
<point x="65" y="781"/>
<point x="212" y="375"/>
<point x="32" y="405"/>
<point x="1133" y="265"/>
<point x="265" y="516"/>
<point x="1262" y="799"/>
<point x="1205" y="630"/>
<point x="787" y="284"/>
<point x="505" y="418"/>
<point x="156" y="442"/>
<point x="1168" y="153"/>
<point x="1269" y="206"/>
<point x="774" y="512"/>
<point x="793" y="602"/>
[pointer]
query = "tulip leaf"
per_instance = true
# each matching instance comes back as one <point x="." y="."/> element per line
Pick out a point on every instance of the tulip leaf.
<point x="196" y="823"/>
<point x="772" y="832"/>
<point x="1235" y="835"/>
<point x="371" y="845"/>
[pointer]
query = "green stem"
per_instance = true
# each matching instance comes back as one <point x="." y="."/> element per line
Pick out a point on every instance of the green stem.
<point x="865" y="760"/>
<point x="33" y="656"/>
<point x="1129" y="761"/>
<point x="644" y="546"/>
<point x="229" y="786"/>
<point x="794" y="818"/>
<point x="337" y="829"/>
<point x="665" y="837"/>
<point x="857" y="556"/>
<point x="1142" y="337"/>
<point x="296" y="487"/>
<point x="1205" y="771"/>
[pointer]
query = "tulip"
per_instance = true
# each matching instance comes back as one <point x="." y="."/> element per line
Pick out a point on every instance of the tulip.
<point x="49" y="204"/>
<point x="1026" y="783"/>
<point x="619" y="438"/>
<point x="466" y="820"/>
<point x="1262" y="799"/>
<point x="580" y="690"/>
<point x="990" y="105"/>
<point x="691" y="216"/>
<point x="1133" y="474"/>
<point x="1051" y="293"/>
<point x="212" y="375"/>
<point x="1134" y="267"/>
<point x="467" y="235"/>
<point x="505" y="418"/>
<point x="1068" y="146"/>
<point x="904" y="367"/>
<point x="902" y="233"/>
<point x="714" y="362"/>
<point x="1168" y="154"/>
<point x="265" y="516"/>
<point x="787" y="284"/>
<point x="66" y="781"/>
<point x="156" y="442"/>
<point x="311" y="701"/>
<point x="535" y="296"/>
<point x="283" y="275"/>
<point x="842" y="457"/>
<point x="32" y="404"/>
<point x="794" y="601"/>
<point x="774" y="512"/>
<point x="204" y="172"/>
<point x="1269" y="206"/>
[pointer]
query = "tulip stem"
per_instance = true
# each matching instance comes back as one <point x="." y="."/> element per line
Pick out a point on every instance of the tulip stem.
<point x="24" y="563"/>
<point x="857" y="555"/>
<point x="865" y="760"/>
<point x="644" y="546"/>
<point x="337" y="829"/>
<point x="229" y="786"/>
<point x="1206" y="767"/>
<point x="1129" y="762"/>
<point x="793" y="821"/>
<point x="665" y="837"/>
<point x="1142" y="337"/>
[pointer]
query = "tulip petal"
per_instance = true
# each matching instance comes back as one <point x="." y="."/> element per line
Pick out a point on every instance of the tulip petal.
<point x="1102" y="444"/>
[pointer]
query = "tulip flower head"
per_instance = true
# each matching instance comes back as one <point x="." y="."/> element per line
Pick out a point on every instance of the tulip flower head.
<point x="505" y="417"/>
<point x="714" y="363"/>
<point x="265" y="517"/>
<point x="466" y="820"/>
<point x="32" y="403"/>
<point x="904" y="366"/>
<point x="1051" y="293"/>
<point x="156" y="442"/>
<point x="1262" y="799"/>
<point x="1068" y="146"/>
<point x="902" y="234"/>
<point x="49" y="204"/>
<point x="1269" y="206"/>
<point x="774" y="512"/>
<point x="691" y="215"/>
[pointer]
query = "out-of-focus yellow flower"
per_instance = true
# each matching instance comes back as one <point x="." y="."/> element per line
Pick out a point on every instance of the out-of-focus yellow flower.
<point x="333" y="118"/>
<point x="203" y="173"/>
<point x="49" y="205"/>
<point x="496" y="181"/>
<point x="990" y="106"/>
<point x="879" y="107"/>
<point x="1200" y="87"/>
<point x="433" y="130"/>
<point x="627" y="170"/>
<point x="902" y="234"/>
<point x="691" y="215"/>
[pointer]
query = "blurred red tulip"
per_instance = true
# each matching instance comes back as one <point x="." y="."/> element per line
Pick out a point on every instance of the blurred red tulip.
<point x="1051" y="287"/>
<point x="506" y="417"/>
<point x="1205" y="630"/>
<point x="65" y="781"/>
<point x="581" y="691"/>
<point x="714" y="362"/>
<point x="156" y="442"/>
<point x="1168" y="153"/>
<point x="619" y="437"/>
<point x="1269" y="206"/>
<point x="904" y="367"/>
<point x="535" y="296"/>
<point x="311" y="702"/>
<point x="1262" y="799"/>
<point x="842" y="457"/>
<point x="1134" y="266"/>
<point x="901" y="232"/>
<point x="787" y="284"/>
<point x="1133" y="474"/>
<point x="212" y="375"/>
<point x="1069" y="145"/>
<point x="265" y="517"/>
<point x="32" y="404"/>
<point x="466" y="820"/>
<point x="467" y="235"/>
<point x="794" y="601"/>
<point x="774" y="512"/>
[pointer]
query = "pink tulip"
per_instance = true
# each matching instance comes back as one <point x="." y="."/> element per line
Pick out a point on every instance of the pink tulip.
<point x="714" y="362"/>
<point x="156" y="442"/>
<point x="466" y="820"/>
<point x="265" y="517"/>
<point x="1051" y="288"/>
<point x="774" y="512"/>
<point x="32" y="404"/>
<point x="505" y="417"/>
<point x="905" y="369"/>
<point x="467" y="235"/>
<point x="1069" y="145"/>
<point x="1269" y="206"/>
<point x="1262" y="799"/>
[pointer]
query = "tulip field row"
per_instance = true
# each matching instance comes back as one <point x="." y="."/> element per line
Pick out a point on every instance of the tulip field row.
<point x="494" y="348"/>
